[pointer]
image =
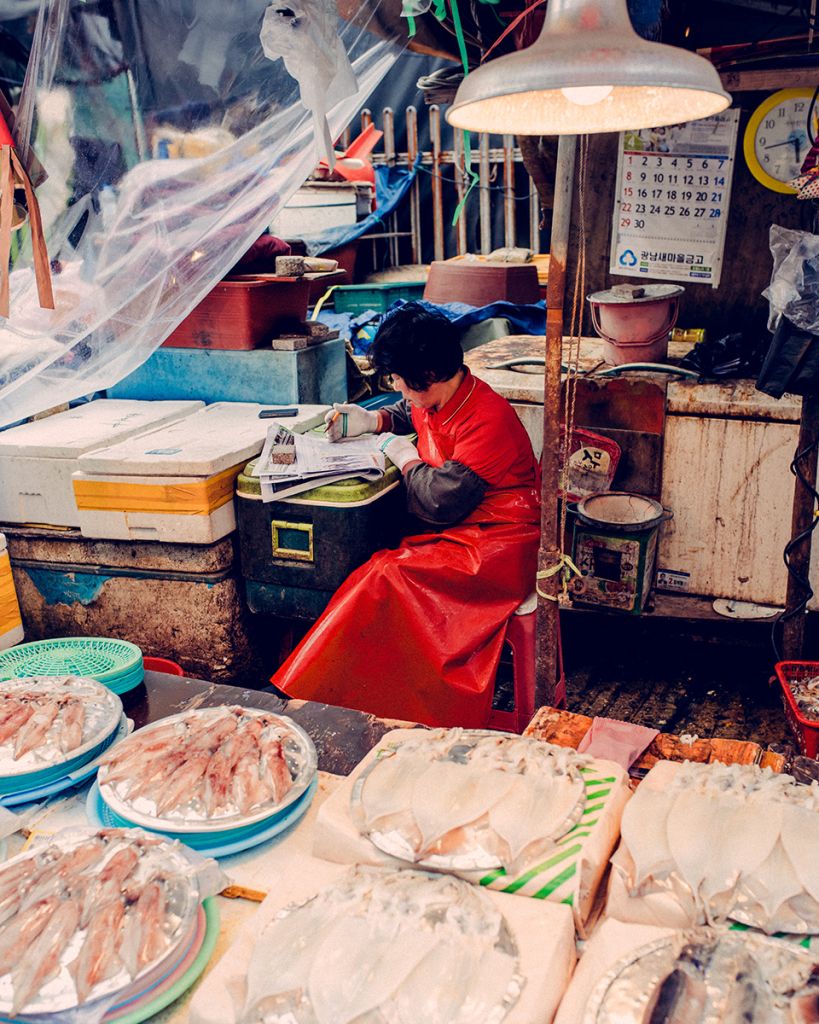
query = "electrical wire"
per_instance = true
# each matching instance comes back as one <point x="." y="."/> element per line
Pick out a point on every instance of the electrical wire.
<point x="802" y="580"/>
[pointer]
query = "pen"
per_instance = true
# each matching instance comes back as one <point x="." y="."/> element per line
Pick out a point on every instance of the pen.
<point x="332" y="420"/>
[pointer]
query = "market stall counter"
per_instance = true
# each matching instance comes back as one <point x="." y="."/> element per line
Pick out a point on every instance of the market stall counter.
<point x="341" y="736"/>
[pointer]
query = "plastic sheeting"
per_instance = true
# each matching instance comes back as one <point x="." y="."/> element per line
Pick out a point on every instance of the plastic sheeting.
<point x="170" y="140"/>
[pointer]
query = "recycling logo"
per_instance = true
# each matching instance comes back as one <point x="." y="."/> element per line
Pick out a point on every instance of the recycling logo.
<point x="627" y="258"/>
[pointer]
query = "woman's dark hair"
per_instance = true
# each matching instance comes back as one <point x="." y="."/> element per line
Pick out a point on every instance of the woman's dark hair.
<point x="418" y="344"/>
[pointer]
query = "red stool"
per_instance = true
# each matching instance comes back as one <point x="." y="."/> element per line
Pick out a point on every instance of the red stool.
<point x="170" y="668"/>
<point x="520" y="636"/>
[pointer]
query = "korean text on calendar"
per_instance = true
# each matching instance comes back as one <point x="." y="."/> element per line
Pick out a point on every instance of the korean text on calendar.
<point x="671" y="200"/>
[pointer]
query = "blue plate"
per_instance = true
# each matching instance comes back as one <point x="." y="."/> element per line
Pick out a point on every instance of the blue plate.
<point x="210" y="844"/>
<point x="78" y="776"/>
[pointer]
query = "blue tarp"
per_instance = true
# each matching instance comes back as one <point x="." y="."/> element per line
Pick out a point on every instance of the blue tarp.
<point x="391" y="185"/>
<point x="524" y="319"/>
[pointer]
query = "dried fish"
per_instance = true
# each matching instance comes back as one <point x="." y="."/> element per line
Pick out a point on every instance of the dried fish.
<point x="469" y="800"/>
<point x="707" y="976"/>
<point x="97" y="960"/>
<point x="41" y="959"/>
<point x="385" y="946"/>
<point x="743" y="840"/>
<point x="109" y="882"/>
<point x="205" y="764"/>
<point x="22" y="930"/>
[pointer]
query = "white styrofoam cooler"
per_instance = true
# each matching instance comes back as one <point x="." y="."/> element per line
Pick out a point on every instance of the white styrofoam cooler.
<point x="11" y="624"/>
<point x="37" y="459"/>
<point x="176" y="483"/>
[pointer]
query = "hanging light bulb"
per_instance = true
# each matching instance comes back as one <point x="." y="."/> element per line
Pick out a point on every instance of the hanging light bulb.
<point x="587" y="72"/>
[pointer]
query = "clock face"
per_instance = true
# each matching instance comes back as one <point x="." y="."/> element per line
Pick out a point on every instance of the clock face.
<point x="778" y="137"/>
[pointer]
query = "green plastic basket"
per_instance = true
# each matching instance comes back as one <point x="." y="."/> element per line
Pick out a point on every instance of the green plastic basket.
<point x="115" y="663"/>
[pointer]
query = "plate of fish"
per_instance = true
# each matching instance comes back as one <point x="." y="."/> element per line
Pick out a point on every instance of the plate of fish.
<point x="710" y="976"/>
<point x="762" y="873"/>
<point x="75" y="777"/>
<point x="50" y="725"/>
<point x="88" y="915"/>
<point x="382" y="945"/>
<point x="208" y="770"/>
<point x="211" y="844"/>
<point x="462" y="800"/>
<point x="143" y="1005"/>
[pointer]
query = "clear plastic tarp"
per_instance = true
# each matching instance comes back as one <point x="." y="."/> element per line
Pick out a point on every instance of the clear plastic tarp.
<point x="171" y="131"/>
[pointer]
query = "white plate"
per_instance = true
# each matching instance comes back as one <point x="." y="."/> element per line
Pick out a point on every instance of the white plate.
<point x="103" y="711"/>
<point x="299" y="753"/>
<point x="169" y="859"/>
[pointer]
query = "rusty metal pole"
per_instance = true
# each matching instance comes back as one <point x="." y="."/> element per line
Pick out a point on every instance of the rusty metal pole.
<point x="548" y="623"/>
<point x="793" y="633"/>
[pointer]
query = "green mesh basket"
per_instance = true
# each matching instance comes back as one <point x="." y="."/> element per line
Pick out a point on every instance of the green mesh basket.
<point x="115" y="663"/>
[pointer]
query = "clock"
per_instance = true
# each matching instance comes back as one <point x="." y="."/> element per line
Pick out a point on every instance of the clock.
<point x="778" y="137"/>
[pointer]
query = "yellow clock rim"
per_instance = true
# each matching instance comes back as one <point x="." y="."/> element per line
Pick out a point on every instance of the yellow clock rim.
<point x="754" y="122"/>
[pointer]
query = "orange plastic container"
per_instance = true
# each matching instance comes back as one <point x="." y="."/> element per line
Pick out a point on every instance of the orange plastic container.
<point x="243" y="312"/>
<point x="805" y="729"/>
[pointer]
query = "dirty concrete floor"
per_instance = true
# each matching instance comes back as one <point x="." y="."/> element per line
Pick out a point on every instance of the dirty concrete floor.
<point x="710" y="679"/>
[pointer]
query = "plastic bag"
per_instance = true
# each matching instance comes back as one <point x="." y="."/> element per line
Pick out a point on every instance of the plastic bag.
<point x="303" y="33"/>
<point x="794" y="288"/>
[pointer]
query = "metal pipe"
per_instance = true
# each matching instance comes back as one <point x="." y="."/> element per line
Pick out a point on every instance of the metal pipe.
<point x="548" y="612"/>
<point x="486" y="197"/>
<point x="389" y="153"/>
<point x="415" y="188"/>
<point x="534" y="218"/>
<point x="509" y="190"/>
<point x="437" y="197"/>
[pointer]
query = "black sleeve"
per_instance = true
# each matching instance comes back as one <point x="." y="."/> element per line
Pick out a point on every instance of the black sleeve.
<point x="443" y="495"/>
<point x="401" y="416"/>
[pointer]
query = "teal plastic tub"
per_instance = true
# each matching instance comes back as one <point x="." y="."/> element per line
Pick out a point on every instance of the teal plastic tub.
<point x="357" y="298"/>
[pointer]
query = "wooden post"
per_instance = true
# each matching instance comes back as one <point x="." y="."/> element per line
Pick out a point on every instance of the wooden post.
<point x="793" y="635"/>
<point x="548" y="623"/>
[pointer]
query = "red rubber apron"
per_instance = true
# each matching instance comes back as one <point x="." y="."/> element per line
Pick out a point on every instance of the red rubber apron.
<point x="416" y="632"/>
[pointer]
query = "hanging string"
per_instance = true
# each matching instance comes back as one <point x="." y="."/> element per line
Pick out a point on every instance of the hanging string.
<point x="571" y="359"/>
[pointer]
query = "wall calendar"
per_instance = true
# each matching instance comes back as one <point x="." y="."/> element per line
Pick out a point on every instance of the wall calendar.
<point x="671" y="200"/>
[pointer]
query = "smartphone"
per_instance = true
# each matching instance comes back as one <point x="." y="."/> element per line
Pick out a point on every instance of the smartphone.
<point x="275" y="414"/>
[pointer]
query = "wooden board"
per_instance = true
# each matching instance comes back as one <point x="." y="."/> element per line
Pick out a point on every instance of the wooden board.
<point x="729" y="486"/>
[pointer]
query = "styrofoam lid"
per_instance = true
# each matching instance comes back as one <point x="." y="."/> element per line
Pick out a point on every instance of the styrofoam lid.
<point x="624" y="294"/>
<point x="65" y="435"/>
<point x="216" y="438"/>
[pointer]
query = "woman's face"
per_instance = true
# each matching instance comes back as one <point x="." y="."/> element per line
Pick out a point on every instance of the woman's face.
<point x="431" y="398"/>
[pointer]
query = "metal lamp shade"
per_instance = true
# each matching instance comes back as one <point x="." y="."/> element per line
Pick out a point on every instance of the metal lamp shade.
<point x="587" y="72"/>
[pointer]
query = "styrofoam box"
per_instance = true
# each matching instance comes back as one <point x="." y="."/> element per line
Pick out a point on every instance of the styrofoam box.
<point x="11" y="625"/>
<point x="176" y="483"/>
<point x="37" y="459"/>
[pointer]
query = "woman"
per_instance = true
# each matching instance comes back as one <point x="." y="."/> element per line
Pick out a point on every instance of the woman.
<point x="416" y="632"/>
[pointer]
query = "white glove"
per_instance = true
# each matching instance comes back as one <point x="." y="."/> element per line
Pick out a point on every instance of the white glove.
<point x="399" y="450"/>
<point x="347" y="420"/>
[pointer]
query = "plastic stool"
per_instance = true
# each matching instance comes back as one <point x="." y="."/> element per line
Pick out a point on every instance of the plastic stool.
<point x="520" y="636"/>
<point x="170" y="668"/>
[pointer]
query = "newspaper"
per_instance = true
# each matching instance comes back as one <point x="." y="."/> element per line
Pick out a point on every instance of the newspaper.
<point x="317" y="461"/>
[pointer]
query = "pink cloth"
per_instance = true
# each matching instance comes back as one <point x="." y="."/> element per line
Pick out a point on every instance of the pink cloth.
<point x="612" y="740"/>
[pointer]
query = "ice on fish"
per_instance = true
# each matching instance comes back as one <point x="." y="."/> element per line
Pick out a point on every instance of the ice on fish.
<point x="643" y="828"/>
